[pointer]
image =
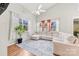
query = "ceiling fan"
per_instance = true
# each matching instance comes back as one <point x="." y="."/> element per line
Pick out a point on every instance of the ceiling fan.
<point x="39" y="10"/>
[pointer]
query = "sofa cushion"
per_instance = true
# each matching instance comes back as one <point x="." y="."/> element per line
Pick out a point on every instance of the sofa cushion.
<point x="46" y="37"/>
<point x="62" y="36"/>
<point x="55" y="34"/>
<point x="35" y="37"/>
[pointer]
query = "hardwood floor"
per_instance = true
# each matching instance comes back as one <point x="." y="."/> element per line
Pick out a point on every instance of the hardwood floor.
<point x="14" y="50"/>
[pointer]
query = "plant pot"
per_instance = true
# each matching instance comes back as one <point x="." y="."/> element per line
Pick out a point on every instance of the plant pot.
<point x="19" y="40"/>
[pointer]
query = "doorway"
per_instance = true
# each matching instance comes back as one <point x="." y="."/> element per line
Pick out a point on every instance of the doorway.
<point x="76" y="27"/>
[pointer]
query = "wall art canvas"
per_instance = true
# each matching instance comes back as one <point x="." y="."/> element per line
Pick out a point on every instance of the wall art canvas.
<point x="55" y="25"/>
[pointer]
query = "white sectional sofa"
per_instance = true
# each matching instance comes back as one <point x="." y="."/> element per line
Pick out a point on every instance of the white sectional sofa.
<point x="44" y="36"/>
<point x="64" y="44"/>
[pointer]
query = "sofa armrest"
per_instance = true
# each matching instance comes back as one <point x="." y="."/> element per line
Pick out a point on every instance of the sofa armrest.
<point x="65" y="43"/>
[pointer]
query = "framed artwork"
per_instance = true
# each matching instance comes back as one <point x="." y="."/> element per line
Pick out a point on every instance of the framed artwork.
<point x="55" y="25"/>
<point x="49" y="25"/>
<point x="76" y="27"/>
<point x="25" y="23"/>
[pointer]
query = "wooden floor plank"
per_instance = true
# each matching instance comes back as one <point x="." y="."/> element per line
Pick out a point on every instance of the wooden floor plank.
<point x="14" y="50"/>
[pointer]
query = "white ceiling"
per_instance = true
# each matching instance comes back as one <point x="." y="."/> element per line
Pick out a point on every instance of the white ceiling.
<point x="33" y="6"/>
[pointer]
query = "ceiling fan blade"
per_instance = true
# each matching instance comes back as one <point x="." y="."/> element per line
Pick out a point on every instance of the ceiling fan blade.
<point x="40" y="6"/>
<point x="38" y="13"/>
<point x="42" y="10"/>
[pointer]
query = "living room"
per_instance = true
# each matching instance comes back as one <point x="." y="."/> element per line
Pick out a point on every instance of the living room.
<point x="34" y="39"/>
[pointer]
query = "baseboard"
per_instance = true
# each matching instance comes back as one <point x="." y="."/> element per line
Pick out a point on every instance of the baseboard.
<point x="11" y="44"/>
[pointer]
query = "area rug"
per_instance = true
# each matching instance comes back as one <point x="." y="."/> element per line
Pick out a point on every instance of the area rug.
<point x="38" y="47"/>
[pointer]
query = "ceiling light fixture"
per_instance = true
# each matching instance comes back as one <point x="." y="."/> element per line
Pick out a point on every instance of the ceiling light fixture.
<point x="39" y="10"/>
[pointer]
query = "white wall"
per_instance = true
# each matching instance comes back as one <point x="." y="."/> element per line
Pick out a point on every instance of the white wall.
<point x="66" y="12"/>
<point x="4" y="33"/>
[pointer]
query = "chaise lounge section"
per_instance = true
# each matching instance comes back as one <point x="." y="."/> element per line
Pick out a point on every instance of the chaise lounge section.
<point x="67" y="47"/>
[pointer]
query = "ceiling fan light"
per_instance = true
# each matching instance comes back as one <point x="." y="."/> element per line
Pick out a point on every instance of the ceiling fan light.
<point x="38" y="13"/>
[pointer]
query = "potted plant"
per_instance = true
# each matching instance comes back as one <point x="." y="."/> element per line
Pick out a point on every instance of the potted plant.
<point x="20" y="29"/>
